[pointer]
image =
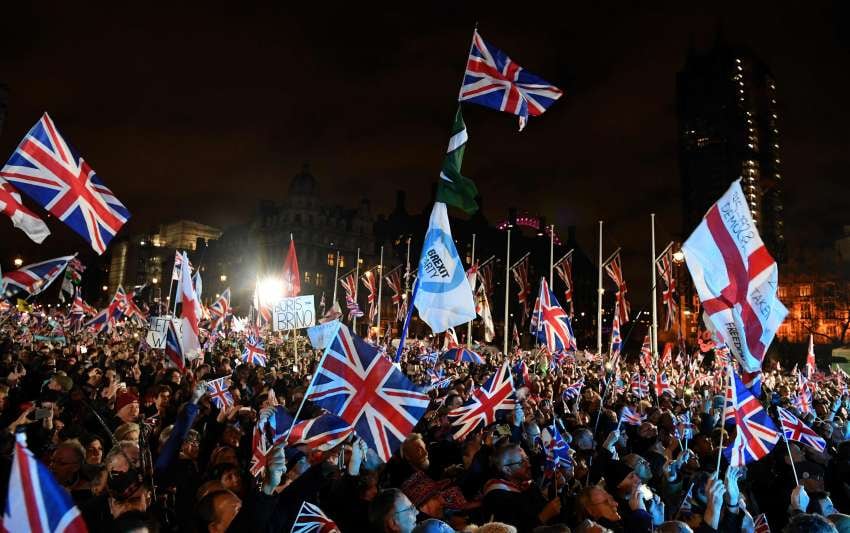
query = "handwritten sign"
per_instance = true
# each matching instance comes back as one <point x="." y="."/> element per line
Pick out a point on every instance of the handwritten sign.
<point x="158" y="329"/>
<point x="322" y="334"/>
<point x="294" y="313"/>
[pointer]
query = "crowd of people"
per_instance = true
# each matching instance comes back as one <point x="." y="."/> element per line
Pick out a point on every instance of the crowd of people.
<point x="140" y="446"/>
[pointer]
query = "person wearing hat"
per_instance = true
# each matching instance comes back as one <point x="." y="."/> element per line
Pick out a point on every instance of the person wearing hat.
<point x="625" y="485"/>
<point x="126" y="408"/>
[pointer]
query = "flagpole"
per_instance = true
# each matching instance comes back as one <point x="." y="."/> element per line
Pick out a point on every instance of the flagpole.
<point x="790" y="457"/>
<point x="469" y="324"/>
<point x="599" y="298"/>
<point x="336" y="277"/>
<point x="380" y="286"/>
<point x="356" y="283"/>
<point x="551" y="256"/>
<point x="507" y="287"/>
<point x="654" y="330"/>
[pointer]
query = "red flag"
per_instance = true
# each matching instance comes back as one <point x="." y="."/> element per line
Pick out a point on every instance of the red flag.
<point x="291" y="277"/>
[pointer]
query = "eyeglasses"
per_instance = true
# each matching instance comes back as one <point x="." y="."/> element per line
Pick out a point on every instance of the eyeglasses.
<point x="411" y="508"/>
<point x="524" y="460"/>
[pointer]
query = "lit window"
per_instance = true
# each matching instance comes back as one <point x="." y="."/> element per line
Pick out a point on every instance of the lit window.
<point x="331" y="259"/>
<point x="360" y="261"/>
<point x="782" y="292"/>
<point x="307" y="277"/>
<point x="341" y="262"/>
<point x="320" y="279"/>
<point x="805" y="290"/>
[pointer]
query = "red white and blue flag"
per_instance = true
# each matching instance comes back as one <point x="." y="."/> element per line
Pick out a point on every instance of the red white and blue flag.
<point x="355" y="382"/>
<point x="760" y="524"/>
<point x="106" y="319"/>
<point x="811" y="365"/>
<point x="370" y="281"/>
<point x="565" y="271"/>
<point x="349" y="284"/>
<point x="48" y="170"/>
<point x="80" y="307"/>
<point x="616" y="339"/>
<point x="736" y="278"/>
<point x="493" y="80"/>
<point x="553" y="326"/>
<point x="220" y="310"/>
<point x="219" y="393"/>
<point x="36" y="277"/>
<point x="486" y="402"/>
<point x="22" y="218"/>
<point x="322" y="433"/>
<point x="646" y="353"/>
<point x="614" y="268"/>
<point x="35" y="502"/>
<point x="463" y="355"/>
<point x="756" y="435"/>
<point x="631" y="417"/>
<point x="662" y="385"/>
<point x="556" y="449"/>
<point x="311" y="519"/>
<point x="174" y="347"/>
<point x="521" y="372"/>
<point x="520" y="272"/>
<point x="573" y="391"/>
<point x="254" y="352"/>
<point x="795" y="429"/>
<point x="398" y="300"/>
<point x="639" y="385"/>
<point x="668" y="295"/>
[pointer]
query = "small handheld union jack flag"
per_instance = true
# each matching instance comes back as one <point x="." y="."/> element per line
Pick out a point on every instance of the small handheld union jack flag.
<point x="496" y="395"/>
<point x="756" y="435"/>
<point x="573" y="391"/>
<point x="630" y="417"/>
<point x="639" y="385"/>
<point x="311" y="519"/>
<point x="493" y="80"/>
<point x="219" y="393"/>
<point x="254" y="352"/>
<point x="48" y="170"/>
<point x="760" y="524"/>
<point x="662" y="385"/>
<point x="795" y="429"/>
<point x="552" y="325"/>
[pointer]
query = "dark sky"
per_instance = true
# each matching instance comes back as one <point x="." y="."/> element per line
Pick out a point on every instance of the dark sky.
<point x="201" y="111"/>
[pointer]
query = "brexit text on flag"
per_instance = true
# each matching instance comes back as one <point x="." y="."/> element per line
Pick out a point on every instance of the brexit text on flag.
<point x="736" y="278"/>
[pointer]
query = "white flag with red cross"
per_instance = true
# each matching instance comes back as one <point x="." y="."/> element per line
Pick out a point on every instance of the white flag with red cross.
<point x="736" y="278"/>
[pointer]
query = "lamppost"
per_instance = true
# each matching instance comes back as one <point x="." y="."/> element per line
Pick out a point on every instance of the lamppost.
<point x="18" y="262"/>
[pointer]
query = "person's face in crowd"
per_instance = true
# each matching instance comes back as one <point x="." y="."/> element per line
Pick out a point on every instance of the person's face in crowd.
<point x="174" y="377"/>
<point x="162" y="400"/>
<point x="647" y="430"/>
<point x="3" y="401"/>
<point x="517" y="467"/>
<point x="602" y="505"/>
<point x="94" y="376"/>
<point x="129" y="413"/>
<point x="402" y="517"/>
<point x="190" y="447"/>
<point x="109" y="375"/>
<point x="230" y="436"/>
<point x="640" y="465"/>
<point x="224" y="454"/>
<point x="94" y="452"/>
<point x="54" y="385"/>
<point x="64" y="465"/>
<point x="136" y="502"/>
<point x="416" y="454"/>
<point x="232" y="481"/>
<point x="225" y="507"/>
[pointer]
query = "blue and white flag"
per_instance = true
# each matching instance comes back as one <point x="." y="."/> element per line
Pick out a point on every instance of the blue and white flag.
<point x="443" y="297"/>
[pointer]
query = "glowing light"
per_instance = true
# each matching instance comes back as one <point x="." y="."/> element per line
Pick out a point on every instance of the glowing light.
<point x="270" y="290"/>
<point x="18" y="262"/>
<point x="678" y="256"/>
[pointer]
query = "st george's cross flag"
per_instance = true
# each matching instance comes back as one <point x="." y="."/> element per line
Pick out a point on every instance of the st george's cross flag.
<point x="48" y="170"/>
<point x="443" y="296"/>
<point x="190" y="311"/>
<point x="736" y="278"/>
<point x="311" y="519"/>
<point x="291" y="276"/>
<point x="355" y="382"/>
<point x="21" y="217"/>
<point x="36" y="277"/>
<point x="35" y="502"/>
<point x="486" y="402"/>
<point x="493" y="80"/>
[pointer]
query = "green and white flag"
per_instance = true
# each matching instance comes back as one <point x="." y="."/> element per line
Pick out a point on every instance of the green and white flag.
<point x="453" y="188"/>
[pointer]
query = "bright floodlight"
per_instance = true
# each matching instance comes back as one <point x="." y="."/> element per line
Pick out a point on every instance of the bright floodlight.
<point x="270" y="290"/>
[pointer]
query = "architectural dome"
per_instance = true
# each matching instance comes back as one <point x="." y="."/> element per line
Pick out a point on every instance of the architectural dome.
<point x="303" y="183"/>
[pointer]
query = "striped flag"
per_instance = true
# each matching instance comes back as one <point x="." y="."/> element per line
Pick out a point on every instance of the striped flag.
<point x="453" y="188"/>
<point x="311" y="519"/>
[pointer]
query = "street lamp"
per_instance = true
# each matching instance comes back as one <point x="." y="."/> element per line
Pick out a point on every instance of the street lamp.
<point x="154" y="281"/>
<point x="104" y="288"/>
<point x="678" y="257"/>
<point x="223" y="278"/>
<point x="19" y="262"/>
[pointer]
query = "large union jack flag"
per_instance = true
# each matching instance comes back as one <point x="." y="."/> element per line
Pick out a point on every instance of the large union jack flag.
<point x="36" y="277"/>
<point x="614" y="268"/>
<point x="219" y="310"/>
<point x="795" y="429"/>
<point x="35" y="501"/>
<point x="552" y="323"/>
<point x="357" y="384"/>
<point x="616" y="339"/>
<point x="370" y="281"/>
<point x="493" y="80"/>
<point x="106" y="319"/>
<point x="49" y="171"/>
<point x="756" y="435"/>
<point x="311" y="519"/>
<point x="496" y="395"/>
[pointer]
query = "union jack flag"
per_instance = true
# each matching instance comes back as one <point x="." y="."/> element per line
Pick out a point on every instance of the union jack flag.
<point x="363" y="388"/>
<point x="463" y="355"/>
<point x="795" y="429"/>
<point x="35" y="501"/>
<point x="322" y="433"/>
<point x="370" y="281"/>
<point x="259" y="452"/>
<point x="752" y="380"/>
<point x="760" y="524"/>
<point x="668" y="296"/>
<point x="565" y="272"/>
<point x="573" y="391"/>
<point x="254" y="352"/>
<point x="556" y="449"/>
<point x="684" y="426"/>
<point x="614" y="269"/>
<point x="667" y="355"/>
<point x="630" y="417"/>
<point x="616" y="339"/>
<point x="811" y="365"/>
<point x="485" y="403"/>
<point x="311" y="519"/>
<point x="22" y="218"/>
<point x="662" y="384"/>
<point x="350" y="285"/>
<point x="646" y="353"/>
<point x="398" y="300"/>
<point x="756" y="435"/>
<point x="36" y="277"/>
<point x="639" y="385"/>
<point x="520" y="272"/>
<point x="80" y="307"/>
<point x="174" y="347"/>
<point x="106" y="319"/>
<point x="485" y="273"/>
<point x="520" y="370"/>
<point x="48" y="170"/>
<point x="219" y="393"/>
<point x="220" y="309"/>
<point x="493" y="80"/>
<point x="552" y="323"/>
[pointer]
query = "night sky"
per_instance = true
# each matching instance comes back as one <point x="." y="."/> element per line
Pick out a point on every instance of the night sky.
<point x="200" y="112"/>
